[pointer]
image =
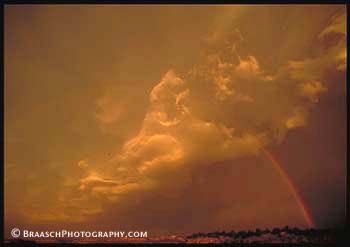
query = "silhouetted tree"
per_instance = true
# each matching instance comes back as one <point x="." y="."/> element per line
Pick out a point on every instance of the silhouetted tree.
<point x="258" y="232"/>
<point x="276" y="231"/>
<point x="232" y="234"/>
<point x="285" y="229"/>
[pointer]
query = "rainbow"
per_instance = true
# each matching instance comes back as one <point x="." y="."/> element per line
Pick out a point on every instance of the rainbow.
<point x="292" y="188"/>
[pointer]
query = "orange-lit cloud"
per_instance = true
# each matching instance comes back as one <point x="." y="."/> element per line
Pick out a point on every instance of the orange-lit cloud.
<point x="173" y="148"/>
<point x="173" y="138"/>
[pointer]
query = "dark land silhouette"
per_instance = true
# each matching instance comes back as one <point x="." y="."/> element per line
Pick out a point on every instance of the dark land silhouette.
<point x="259" y="237"/>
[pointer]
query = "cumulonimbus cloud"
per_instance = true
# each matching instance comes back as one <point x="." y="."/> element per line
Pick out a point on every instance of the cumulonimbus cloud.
<point x="224" y="108"/>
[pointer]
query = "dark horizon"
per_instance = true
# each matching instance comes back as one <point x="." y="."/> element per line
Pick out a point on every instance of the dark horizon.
<point x="306" y="237"/>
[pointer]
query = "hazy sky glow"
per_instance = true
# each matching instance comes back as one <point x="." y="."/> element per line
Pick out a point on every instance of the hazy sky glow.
<point x="174" y="119"/>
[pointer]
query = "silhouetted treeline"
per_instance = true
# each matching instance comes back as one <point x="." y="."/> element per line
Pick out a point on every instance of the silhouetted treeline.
<point x="313" y="237"/>
<point x="320" y="234"/>
<point x="33" y="244"/>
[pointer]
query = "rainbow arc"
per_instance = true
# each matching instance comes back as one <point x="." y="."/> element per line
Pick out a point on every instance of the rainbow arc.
<point x="292" y="188"/>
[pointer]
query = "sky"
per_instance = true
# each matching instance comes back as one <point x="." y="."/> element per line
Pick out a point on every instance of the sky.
<point x="174" y="119"/>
